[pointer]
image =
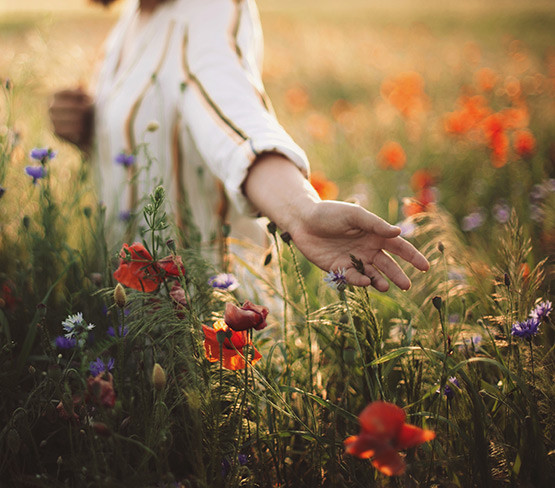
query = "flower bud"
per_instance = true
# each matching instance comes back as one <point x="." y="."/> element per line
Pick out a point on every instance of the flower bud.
<point x="101" y="429"/>
<point x="171" y="245"/>
<point x="437" y="301"/>
<point x="286" y="237"/>
<point x="158" y="377"/>
<point x="272" y="228"/>
<point x="440" y="247"/>
<point x="120" y="297"/>
<point x="153" y="126"/>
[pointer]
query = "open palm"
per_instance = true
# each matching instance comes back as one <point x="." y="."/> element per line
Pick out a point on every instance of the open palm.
<point x="334" y="231"/>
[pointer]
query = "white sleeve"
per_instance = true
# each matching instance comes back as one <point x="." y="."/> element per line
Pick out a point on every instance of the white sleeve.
<point x="224" y="107"/>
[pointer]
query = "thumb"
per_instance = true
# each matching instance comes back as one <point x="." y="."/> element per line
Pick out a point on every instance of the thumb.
<point x="365" y="220"/>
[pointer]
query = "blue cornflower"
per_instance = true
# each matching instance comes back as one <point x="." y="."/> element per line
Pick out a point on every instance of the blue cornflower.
<point x="42" y="154"/>
<point x="526" y="329"/>
<point x="76" y="328"/>
<point x="542" y="311"/>
<point x="125" y="215"/>
<point x="2" y="191"/>
<point x="125" y="159"/>
<point x="336" y="279"/>
<point x="122" y="331"/>
<point x="448" y="390"/>
<point x="35" y="172"/>
<point x="473" y="220"/>
<point x="98" y="366"/>
<point x="62" y="342"/>
<point x="223" y="281"/>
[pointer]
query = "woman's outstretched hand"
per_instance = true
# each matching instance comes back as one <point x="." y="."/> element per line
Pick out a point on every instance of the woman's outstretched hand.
<point x="330" y="233"/>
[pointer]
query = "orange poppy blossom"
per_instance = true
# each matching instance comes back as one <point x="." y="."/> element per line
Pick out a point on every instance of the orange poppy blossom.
<point x="383" y="432"/>
<point x="326" y="189"/>
<point x="232" y="347"/>
<point x="406" y="93"/>
<point x="524" y="143"/>
<point x="392" y="155"/>
<point x="138" y="270"/>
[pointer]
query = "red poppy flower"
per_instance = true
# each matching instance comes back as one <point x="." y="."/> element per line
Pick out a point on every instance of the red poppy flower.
<point x="100" y="390"/>
<point x="232" y="348"/>
<point x="383" y="433"/>
<point x="327" y="189"/>
<point x="138" y="270"/>
<point x="249" y="316"/>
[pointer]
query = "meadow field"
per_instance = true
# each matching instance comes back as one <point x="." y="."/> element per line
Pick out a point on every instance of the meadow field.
<point x="438" y="116"/>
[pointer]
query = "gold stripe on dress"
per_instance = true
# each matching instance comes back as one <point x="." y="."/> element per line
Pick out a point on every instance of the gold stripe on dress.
<point x="129" y="123"/>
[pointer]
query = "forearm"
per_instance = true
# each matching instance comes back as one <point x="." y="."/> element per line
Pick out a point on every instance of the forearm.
<point x="279" y="191"/>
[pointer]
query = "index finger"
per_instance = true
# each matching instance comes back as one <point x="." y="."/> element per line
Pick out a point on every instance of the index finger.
<point x="408" y="252"/>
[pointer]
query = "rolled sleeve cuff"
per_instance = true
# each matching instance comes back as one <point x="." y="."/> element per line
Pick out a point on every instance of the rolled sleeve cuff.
<point x="245" y="155"/>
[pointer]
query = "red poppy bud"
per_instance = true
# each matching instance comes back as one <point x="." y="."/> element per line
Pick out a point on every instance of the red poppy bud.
<point x="249" y="316"/>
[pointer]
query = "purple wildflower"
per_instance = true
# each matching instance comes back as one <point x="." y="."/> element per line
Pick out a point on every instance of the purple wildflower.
<point x="542" y="311"/>
<point x="125" y="216"/>
<point x="336" y="279"/>
<point x="63" y="342"/>
<point x="122" y="331"/>
<point x="223" y="281"/>
<point x="35" y="172"/>
<point x="501" y="212"/>
<point x="2" y="191"/>
<point x="527" y="329"/>
<point x="448" y="390"/>
<point x="243" y="459"/>
<point x="473" y="220"/>
<point x="226" y="466"/>
<point x="42" y="154"/>
<point x="98" y="366"/>
<point x="125" y="159"/>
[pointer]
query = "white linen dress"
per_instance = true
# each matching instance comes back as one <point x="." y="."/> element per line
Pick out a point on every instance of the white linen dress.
<point x="195" y="70"/>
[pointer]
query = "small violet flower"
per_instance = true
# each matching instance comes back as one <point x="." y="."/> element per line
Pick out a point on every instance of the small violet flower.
<point x="473" y="220"/>
<point x="336" y="279"/>
<point x="527" y="329"/>
<point x="42" y="154"/>
<point x="122" y="331"/>
<point x="125" y="159"/>
<point x="62" y="342"/>
<point x="125" y="216"/>
<point x="448" y="390"/>
<point x="2" y="191"/>
<point x="223" y="281"/>
<point x="98" y="366"/>
<point x="542" y="311"/>
<point x="35" y="172"/>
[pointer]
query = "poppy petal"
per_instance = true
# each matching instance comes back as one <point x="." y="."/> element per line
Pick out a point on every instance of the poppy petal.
<point x="355" y="446"/>
<point x="411" y="435"/>
<point x="382" y="420"/>
<point x="389" y="462"/>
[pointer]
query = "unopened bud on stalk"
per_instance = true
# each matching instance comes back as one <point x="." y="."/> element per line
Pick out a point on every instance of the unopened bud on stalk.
<point x="153" y="126"/>
<point x="286" y="237"/>
<point x="272" y="228"/>
<point x="101" y="429"/>
<point x="437" y="301"/>
<point x="440" y="247"/>
<point x="120" y="297"/>
<point x="158" y="377"/>
<point x="171" y="245"/>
